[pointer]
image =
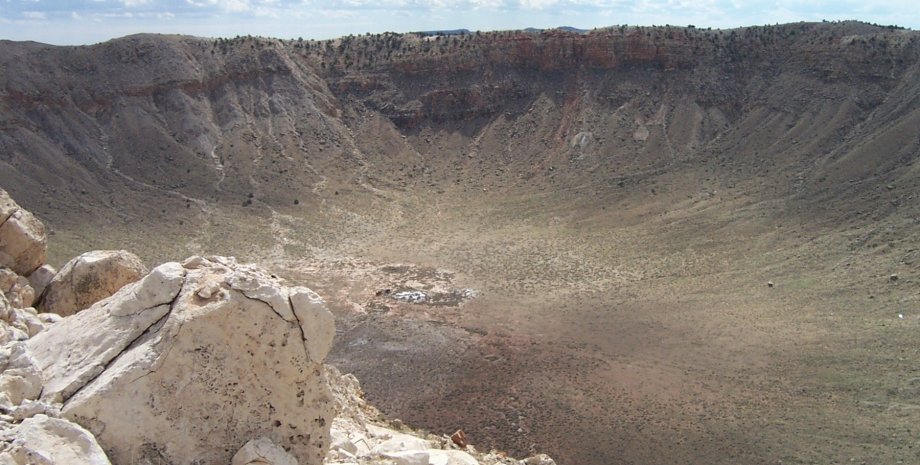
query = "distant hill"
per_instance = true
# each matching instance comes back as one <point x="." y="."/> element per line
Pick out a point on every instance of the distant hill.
<point x="446" y="32"/>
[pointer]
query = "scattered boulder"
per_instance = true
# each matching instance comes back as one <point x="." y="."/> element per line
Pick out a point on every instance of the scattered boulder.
<point x="42" y="440"/>
<point x="361" y="436"/>
<point x="159" y="373"/>
<point x="23" y="244"/>
<point x="393" y="441"/>
<point x="262" y="451"/>
<point x="539" y="459"/>
<point x="9" y="333"/>
<point x="31" y="408"/>
<point x="582" y="140"/>
<point x="90" y="278"/>
<point x="21" y="295"/>
<point x="28" y="321"/>
<point x="49" y="318"/>
<point x="20" y="377"/>
<point x="16" y="289"/>
<point x="41" y="277"/>
<point x="16" y="323"/>
<point x="459" y="438"/>
<point x="450" y="457"/>
<point x="8" y="278"/>
<point x="408" y="457"/>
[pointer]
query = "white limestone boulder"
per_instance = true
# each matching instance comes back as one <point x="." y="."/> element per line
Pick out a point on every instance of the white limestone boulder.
<point x="14" y="323"/>
<point x="539" y="459"/>
<point x="262" y="451"/>
<point x="88" y="279"/>
<point x="393" y="441"/>
<point x="79" y="347"/>
<point x="23" y="244"/>
<point x="160" y="373"/>
<point x="408" y="457"/>
<point x="450" y="457"/>
<point x="16" y="289"/>
<point x="31" y="408"/>
<point x="20" y="377"/>
<point x="42" y="440"/>
<point x="8" y="278"/>
<point x="10" y="333"/>
<point x="41" y="277"/>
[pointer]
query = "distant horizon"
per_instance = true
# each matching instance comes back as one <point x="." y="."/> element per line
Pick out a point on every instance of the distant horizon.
<point x="471" y="31"/>
<point x="85" y="22"/>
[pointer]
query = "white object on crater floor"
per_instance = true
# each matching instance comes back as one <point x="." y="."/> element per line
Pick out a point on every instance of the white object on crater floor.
<point x="411" y="296"/>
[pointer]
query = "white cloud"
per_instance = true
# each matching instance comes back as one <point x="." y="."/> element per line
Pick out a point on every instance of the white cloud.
<point x="538" y="4"/>
<point x="263" y="12"/>
<point x="38" y="15"/>
<point x="133" y="3"/>
<point x="233" y="6"/>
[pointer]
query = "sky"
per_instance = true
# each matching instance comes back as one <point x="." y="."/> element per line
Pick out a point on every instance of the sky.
<point x="91" y="21"/>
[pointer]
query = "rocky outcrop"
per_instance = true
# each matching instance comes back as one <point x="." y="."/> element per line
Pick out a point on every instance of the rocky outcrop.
<point x="23" y="244"/>
<point x="17" y="290"/>
<point x="88" y="279"/>
<point x="193" y="361"/>
<point x="360" y="435"/>
<point x="42" y="440"/>
<point x="205" y="361"/>
<point x="69" y="358"/>
<point x="20" y="378"/>
<point x="18" y="324"/>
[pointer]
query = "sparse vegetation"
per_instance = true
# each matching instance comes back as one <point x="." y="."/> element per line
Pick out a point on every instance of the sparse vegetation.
<point x="619" y="198"/>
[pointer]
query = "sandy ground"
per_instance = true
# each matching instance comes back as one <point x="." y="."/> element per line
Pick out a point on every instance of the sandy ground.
<point x="606" y="341"/>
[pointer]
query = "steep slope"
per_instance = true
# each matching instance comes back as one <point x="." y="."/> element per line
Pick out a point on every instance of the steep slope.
<point x="617" y="199"/>
<point x="129" y="130"/>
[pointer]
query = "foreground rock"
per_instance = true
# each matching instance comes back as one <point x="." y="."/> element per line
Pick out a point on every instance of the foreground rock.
<point x="361" y="436"/>
<point x="192" y="362"/>
<point x="17" y="289"/>
<point x="41" y="277"/>
<point x="41" y="440"/>
<point x="262" y="451"/>
<point x="90" y="278"/>
<point x="207" y="361"/>
<point x="23" y="245"/>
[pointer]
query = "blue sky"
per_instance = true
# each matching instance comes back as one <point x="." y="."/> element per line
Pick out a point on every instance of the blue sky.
<point x="91" y="21"/>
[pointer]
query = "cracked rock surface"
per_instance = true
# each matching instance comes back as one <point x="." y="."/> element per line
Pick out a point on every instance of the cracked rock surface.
<point x="159" y="373"/>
